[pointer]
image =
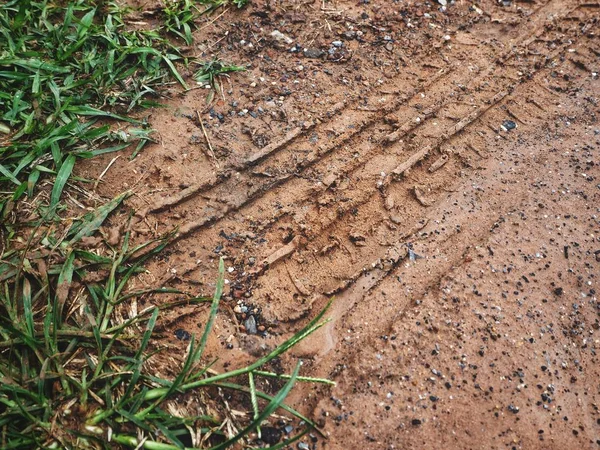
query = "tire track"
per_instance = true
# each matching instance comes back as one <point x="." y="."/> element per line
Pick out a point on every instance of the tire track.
<point x="410" y="162"/>
<point x="367" y="119"/>
<point x="338" y="228"/>
<point x="211" y="214"/>
<point x="298" y="132"/>
<point x="215" y="209"/>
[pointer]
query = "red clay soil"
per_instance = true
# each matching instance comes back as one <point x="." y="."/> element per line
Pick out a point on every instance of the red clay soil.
<point x="434" y="169"/>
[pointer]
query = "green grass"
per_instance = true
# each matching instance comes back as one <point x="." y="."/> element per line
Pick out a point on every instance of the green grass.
<point x="179" y="18"/>
<point x="211" y="70"/>
<point x="67" y="71"/>
<point x="74" y="357"/>
<point x="180" y="15"/>
<point x="74" y="376"/>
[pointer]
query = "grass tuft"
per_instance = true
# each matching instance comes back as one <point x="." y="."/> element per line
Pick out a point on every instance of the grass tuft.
<point x="65" y="72"/>
<point x="73" y="375"/>
<point x="209" y="72"/>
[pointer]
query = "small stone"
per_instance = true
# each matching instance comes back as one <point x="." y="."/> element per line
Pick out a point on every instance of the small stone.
<point x="270" y="435"/>
<point x="558" y="291"/>
<point x="389" y="203"/>
<point x="508" y="125"/>
<point x="195" y="139"/>
<point x="182" y="335"/>
<point x="313" y="53"/>
<point x="513" y="409"/>
<point x="337" y="43"/>
<point x="396" y="218"/>
<point x="329" y="179"/>
<point x="303" y="446"/>
<point x="279" y="36"/>
<point x="416" y="422"/>
<point x="250" y="324"/>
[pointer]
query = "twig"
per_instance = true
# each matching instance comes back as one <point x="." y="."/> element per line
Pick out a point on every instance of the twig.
<point x="216" y="42"/>
<point x="214" y="20"/>
<point x="105" y="170"/>
<point x="211" y="151"/>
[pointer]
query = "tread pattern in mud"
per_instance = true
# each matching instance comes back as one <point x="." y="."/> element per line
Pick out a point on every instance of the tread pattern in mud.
<point x="347" y="191"/>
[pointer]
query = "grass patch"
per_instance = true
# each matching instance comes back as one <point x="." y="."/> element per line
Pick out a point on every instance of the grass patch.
<point x="75" y="357"/>
<point x="76" y="375"/>
<point x="65" y="71"/>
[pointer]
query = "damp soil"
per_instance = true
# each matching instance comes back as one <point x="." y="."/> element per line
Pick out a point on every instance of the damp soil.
<point x="435" y="170"/>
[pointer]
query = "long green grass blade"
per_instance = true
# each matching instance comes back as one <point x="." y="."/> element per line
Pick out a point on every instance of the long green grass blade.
<point x="61" y="180"/>
<point x="214" y="308"/>
<point x="4" y="171"/>
<point x="92" y="221"/>
<point x="71" y="72"/>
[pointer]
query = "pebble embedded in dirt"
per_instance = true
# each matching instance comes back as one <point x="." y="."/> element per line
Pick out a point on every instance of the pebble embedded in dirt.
<point x="250" y="324"/>
<point x="508" y="125"/>
<point x="279" y="36"/>
<point x="270" y="435"/>
<point x="182" y="335"/>
<point x="513" y="409"/>
<point x="313" y="53"/>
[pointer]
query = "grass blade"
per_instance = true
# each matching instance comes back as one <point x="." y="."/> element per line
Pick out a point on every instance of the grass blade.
<point x="92" y="221"/>
<point x="4" y="171"/>
<point x="214" y="307"/>
<point x="273" y="405"/>
<point x="61" y="180"/>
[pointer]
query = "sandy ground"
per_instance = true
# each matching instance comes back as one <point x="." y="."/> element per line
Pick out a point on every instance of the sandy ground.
<point x="436" y="171"/>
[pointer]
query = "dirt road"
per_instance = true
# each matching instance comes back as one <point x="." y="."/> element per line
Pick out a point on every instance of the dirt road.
<point x="436" y="170"/>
